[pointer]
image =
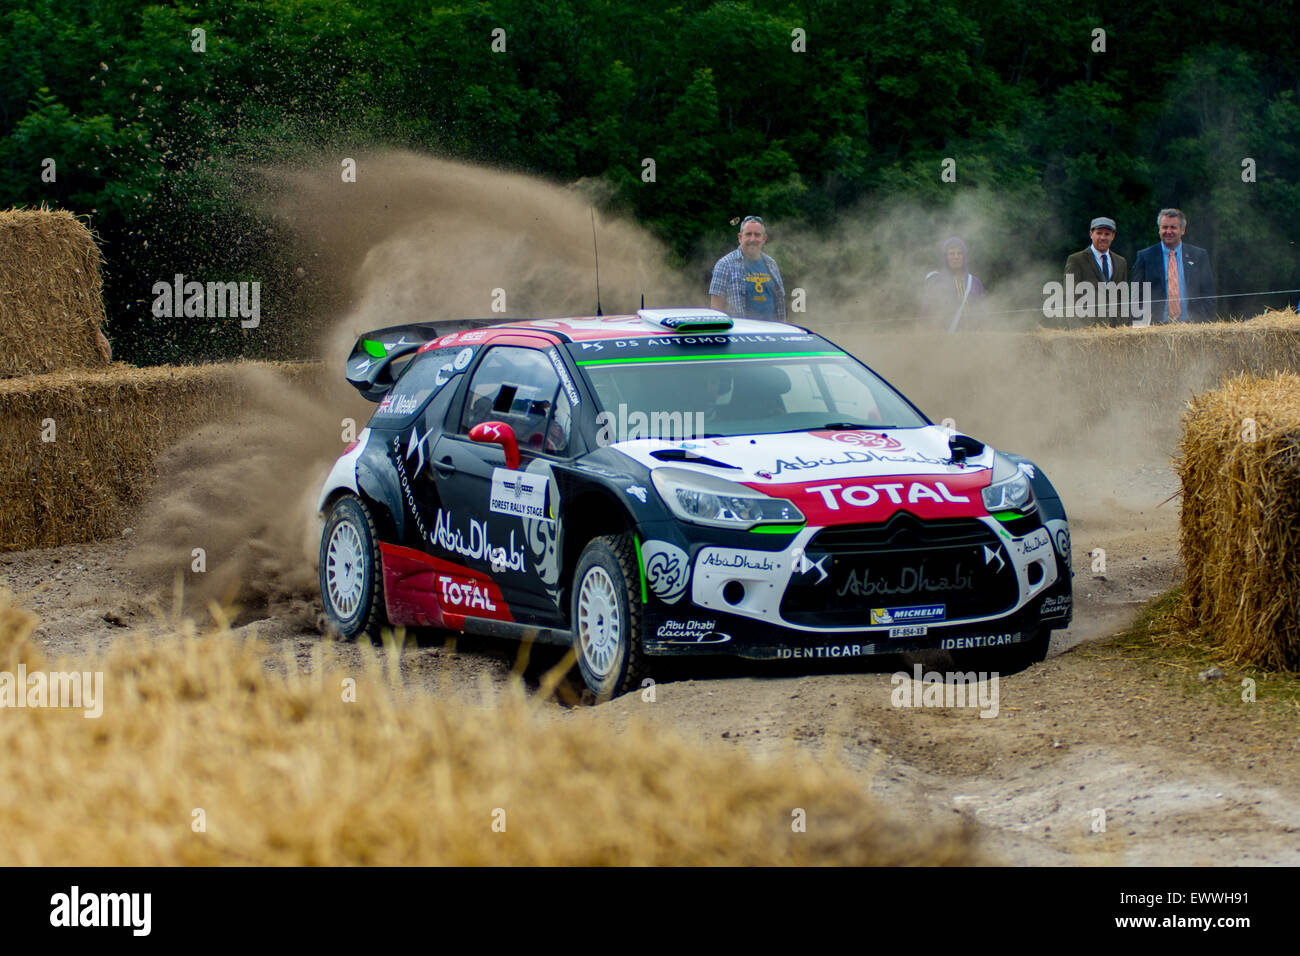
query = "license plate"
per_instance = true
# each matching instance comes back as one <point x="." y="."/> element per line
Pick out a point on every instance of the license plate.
<point x="909" y="630"/>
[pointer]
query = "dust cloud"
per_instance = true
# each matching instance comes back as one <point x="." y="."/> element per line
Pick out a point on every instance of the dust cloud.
<point x="414" y="239"/>
<point x="869" y="270"/>
<point x="418" y="239"/>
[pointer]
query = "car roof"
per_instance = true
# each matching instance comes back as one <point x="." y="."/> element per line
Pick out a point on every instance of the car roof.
<point x="588" y="328"/>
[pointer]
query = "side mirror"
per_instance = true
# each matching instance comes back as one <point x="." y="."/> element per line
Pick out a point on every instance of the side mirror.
<point x="498" y="433"/>
<point x="961" y="446"/>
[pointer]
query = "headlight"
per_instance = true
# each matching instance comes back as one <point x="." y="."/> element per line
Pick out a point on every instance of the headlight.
<point x="1014" y="494"/>
<point x="704" y="499"/>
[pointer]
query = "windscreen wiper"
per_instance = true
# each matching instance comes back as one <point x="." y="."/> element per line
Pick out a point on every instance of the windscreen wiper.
<point x="837" y="427"/>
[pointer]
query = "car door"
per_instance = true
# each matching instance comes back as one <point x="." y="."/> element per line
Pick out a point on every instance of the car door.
<point x="505" y="521"/>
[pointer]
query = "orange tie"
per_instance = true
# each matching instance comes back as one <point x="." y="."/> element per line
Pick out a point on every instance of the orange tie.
<point x="1172" y="290"/>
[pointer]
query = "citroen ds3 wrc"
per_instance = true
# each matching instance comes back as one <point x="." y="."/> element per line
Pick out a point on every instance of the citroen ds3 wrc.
<point x="675" y="482"/>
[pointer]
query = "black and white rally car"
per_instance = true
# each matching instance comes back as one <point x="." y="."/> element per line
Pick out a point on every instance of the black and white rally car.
<point x="673" y="482"/>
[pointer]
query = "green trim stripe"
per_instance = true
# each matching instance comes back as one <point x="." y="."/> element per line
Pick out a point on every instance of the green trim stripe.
<point x="374" y="349"/>
<point x="640" y="566"/>
<point x="644" y="359"/>
<point x="776" y="529"/>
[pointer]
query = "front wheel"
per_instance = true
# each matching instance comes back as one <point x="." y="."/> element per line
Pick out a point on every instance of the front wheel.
<point x="351" y="577"/>
<point x="606" y="616"/>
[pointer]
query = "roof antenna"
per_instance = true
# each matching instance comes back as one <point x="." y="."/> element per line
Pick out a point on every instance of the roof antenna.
<point x="643" y="300"/>
<point x="597" y="252"/>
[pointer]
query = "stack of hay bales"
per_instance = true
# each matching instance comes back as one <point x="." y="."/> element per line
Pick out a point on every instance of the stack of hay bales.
<point x="51" y="311"/>
<point x="78" y="436"/>
<point x="1240" y="537"/>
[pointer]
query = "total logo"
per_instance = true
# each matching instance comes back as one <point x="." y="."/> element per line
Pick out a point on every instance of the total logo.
<point x="464" y="595"/>
<point x="864" y="496"/>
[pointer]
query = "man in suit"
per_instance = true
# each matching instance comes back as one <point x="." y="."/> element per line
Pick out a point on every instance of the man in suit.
<point x="1097" y="265"/>
<point x="1182" y="286"/>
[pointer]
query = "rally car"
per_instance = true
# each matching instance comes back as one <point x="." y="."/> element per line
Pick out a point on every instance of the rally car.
<point x="675" y="482"/>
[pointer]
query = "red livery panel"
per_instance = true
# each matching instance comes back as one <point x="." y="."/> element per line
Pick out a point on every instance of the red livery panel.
<point x="869" y="500"/>
<point x="423" y="591"/>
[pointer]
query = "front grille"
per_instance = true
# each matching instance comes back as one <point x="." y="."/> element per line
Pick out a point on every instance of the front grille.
<point x="902" y="562"/>
<point x="902" y="531"/>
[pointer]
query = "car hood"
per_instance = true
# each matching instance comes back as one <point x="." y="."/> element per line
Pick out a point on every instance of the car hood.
<point x="805" y="456"/>
<point x="837" y="476"/>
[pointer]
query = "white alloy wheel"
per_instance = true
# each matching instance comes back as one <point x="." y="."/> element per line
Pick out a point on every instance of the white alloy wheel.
<point x="351" y="570"/>
<point x="600" y="628"/>
<point x="343" y="569"/>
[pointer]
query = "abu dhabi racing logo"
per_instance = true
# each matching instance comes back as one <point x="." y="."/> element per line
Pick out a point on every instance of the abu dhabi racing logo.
<point x="862" y="439"/>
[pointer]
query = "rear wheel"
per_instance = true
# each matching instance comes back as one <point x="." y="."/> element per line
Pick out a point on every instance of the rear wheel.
<point x="351" y="578"/>
<point x="606" y="615"/>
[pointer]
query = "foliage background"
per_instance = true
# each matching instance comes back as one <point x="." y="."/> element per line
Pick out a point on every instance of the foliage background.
<point x="151" y="138"/>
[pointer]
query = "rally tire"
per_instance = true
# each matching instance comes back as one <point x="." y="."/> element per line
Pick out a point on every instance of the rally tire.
<point x="606" y="614"/>
<point x="351" y="572"/>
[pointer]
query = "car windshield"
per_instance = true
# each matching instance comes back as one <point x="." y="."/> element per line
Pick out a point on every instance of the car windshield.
<point x="684" y="396"/>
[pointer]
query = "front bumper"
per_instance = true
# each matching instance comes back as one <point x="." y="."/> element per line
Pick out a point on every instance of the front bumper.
<point x="859" y="591"/>
<point x="706" y="633"/>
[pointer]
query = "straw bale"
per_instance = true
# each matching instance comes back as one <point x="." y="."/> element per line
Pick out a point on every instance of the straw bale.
<point x="106" y="427"/>
<point x="1239" y="462"/>
<point x="51" y="311"/>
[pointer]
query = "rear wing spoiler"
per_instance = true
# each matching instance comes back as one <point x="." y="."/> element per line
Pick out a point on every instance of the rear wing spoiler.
<point x="376" y="358"/>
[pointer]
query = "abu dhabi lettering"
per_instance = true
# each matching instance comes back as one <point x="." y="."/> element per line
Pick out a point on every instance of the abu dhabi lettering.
<point x="476" y="545"/>
<point x="911" y="580"/>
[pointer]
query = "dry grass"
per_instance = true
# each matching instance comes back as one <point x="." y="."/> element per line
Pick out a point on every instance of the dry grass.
<point x="107" y="427"/>
<point x="51" y="312"/>
<point x="288" y="773"/>
<point x="1240" y="538"/>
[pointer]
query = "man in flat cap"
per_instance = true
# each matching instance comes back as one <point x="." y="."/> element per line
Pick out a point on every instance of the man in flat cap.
<point x="1098" y="265"/>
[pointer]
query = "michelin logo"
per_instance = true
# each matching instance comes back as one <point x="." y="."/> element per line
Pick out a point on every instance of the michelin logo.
<point x="908" y="615"/>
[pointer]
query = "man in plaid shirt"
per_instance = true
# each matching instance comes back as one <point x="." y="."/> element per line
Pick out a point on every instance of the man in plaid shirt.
<point x="746" y="283"/>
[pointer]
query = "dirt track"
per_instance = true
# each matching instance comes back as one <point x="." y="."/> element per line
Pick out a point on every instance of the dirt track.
<point x="1179" y="781"/>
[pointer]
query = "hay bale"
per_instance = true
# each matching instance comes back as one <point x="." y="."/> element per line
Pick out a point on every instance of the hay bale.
<point x="77" y="449"/>
<point x="51" y="311"/>
<point x="1239" y="462"/>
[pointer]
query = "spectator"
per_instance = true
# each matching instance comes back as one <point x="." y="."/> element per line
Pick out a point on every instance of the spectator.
<point x="951" y="291"/>
<point x="746" y="282"/>
<point x="1182" y="285"/>
<point x="1097" y="265"/>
